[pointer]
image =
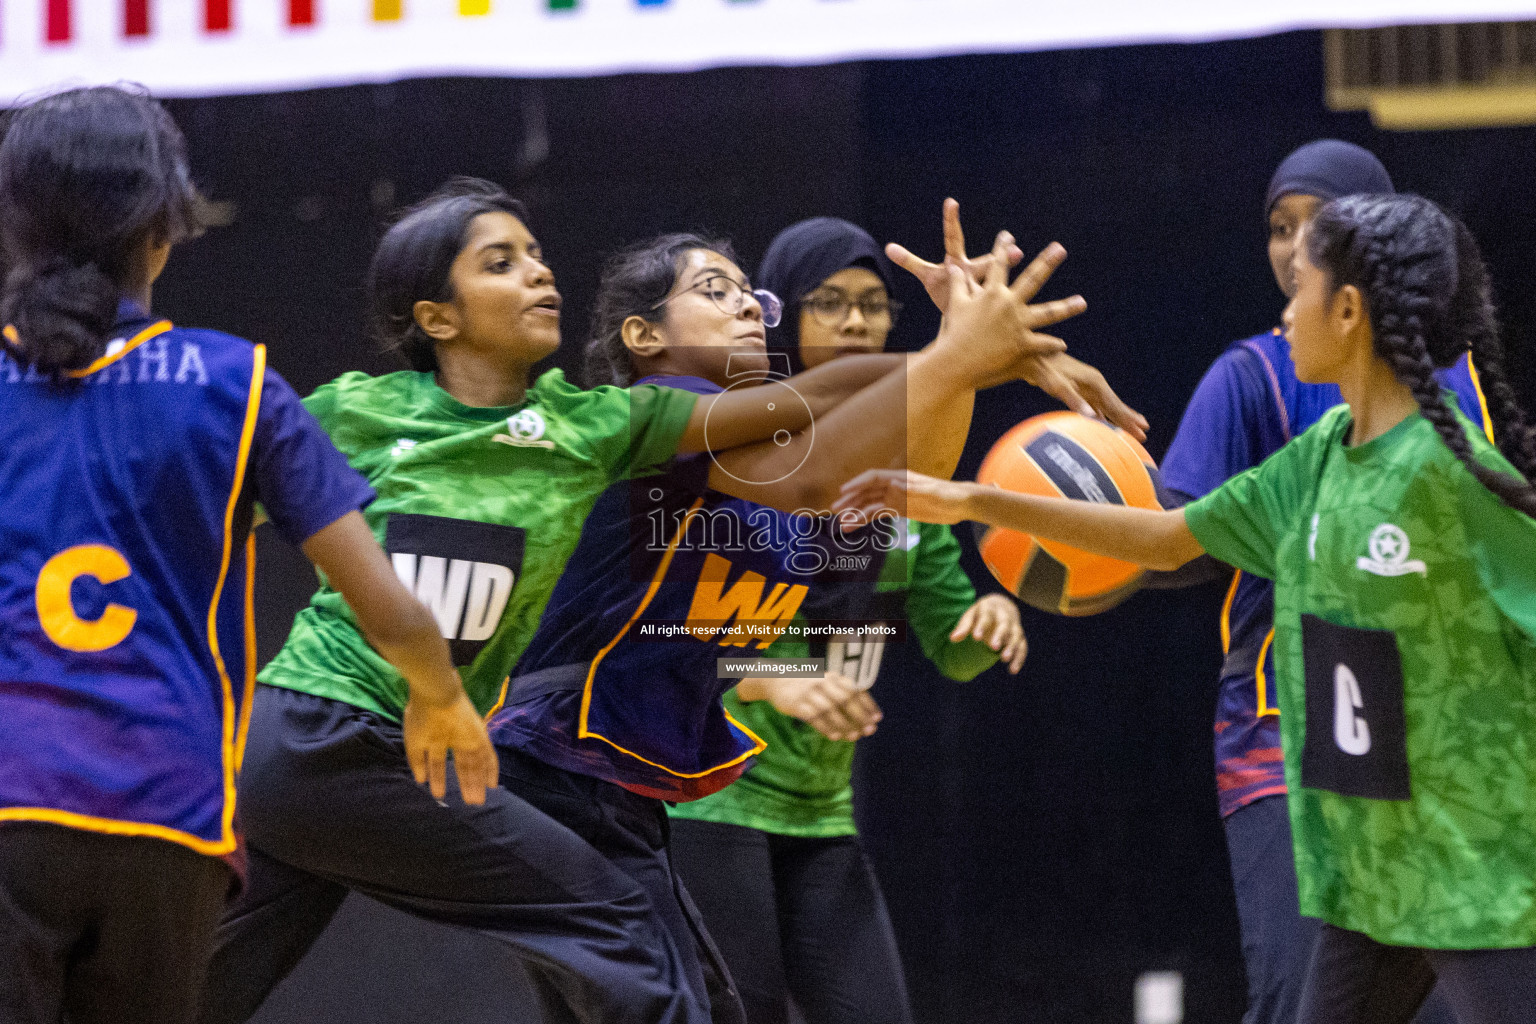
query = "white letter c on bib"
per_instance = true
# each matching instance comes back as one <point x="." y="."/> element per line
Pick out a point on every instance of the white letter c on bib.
<point x="1350" y="731"/>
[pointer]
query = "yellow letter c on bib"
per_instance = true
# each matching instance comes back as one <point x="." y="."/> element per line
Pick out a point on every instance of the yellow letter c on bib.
<point x="56" y="611"/>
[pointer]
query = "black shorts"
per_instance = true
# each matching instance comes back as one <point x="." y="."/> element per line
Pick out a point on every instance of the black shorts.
<point x="1353" y="979"/>
<point x="103" y="928"/>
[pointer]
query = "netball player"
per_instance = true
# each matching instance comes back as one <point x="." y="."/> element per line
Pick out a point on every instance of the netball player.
<point x="1248" y="405"/>
<point x="774" y="859"/>
<point x="1399" y="541"/>
<point x="132" y="452"/>
<point x="602" y="725"/>
<point x="484" y="478"/>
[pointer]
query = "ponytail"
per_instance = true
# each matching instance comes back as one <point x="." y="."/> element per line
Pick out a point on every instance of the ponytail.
<point x="89" y="179"/>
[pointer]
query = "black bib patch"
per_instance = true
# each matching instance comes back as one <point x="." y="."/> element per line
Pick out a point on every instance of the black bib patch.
<point x="461" y="570"/>
<point x="1357" y="739"/>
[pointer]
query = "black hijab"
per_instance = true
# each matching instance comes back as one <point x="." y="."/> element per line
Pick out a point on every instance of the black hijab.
<point x="806" y="254"/>
<point x="1328" y="169"/>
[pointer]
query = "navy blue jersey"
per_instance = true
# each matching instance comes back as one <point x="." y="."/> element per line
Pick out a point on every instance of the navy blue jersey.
<point x="620" y="679"/>
<point x="126" y="647"/>
<point x="1247" y="407"/>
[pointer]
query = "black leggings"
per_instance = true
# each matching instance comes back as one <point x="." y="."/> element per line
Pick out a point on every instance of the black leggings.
<point x="793" y="917"/>
<point x="1354" y="979"/>
<point x="329" y="807"/>
<point x="106" y="929"/>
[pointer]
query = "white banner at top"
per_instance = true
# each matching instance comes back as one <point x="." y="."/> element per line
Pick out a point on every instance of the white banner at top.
<point x="206" y="47"/>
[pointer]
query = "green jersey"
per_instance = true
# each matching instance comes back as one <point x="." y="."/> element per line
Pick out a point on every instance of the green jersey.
<point x="801" y="785"/>
<point x="1405" y="611"/>
<point x="478" y="508"/>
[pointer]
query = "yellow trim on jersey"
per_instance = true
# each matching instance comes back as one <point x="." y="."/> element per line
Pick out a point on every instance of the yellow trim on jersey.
<point x="115" y="827"/>
<point x="231" y="751"/>
<point x="501" y="699"/>
<point x="247" y="699"/>
<point x="1261" y="684"/>
<point x="1482" y="400"/>
<point x="582" y="732"/>
<point x="1226" y="614"/>
<point x="154" y="330"/>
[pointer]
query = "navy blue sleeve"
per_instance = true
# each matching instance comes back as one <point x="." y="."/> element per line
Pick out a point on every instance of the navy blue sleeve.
<point x="1221" y="433"/>
<point x="301" y="480"/>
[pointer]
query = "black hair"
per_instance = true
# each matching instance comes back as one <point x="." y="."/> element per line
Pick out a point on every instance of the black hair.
<point x="1428" y="296"/>
<point x="415" y="258"/>
<point x="86" y="178"/>
<point x="633" y="281"/>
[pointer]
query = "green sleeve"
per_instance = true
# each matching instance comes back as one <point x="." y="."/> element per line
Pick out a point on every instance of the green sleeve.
<point x="938" y="594"/>
<point x="345" y="410"/>
<point x="1242" y="521"/>
<point x="1501" y="542"/>
<point x="322" y="402"/>
<point x="646" y="424"/>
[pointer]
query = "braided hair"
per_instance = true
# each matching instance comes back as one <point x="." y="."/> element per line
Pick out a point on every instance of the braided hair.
<point x="1427" y="292"/>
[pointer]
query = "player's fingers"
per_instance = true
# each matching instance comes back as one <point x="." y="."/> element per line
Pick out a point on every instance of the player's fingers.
<point x="416" y="754"/>
<point x="960" y="286"/>
<point x="1058" y="386"/>
<point x="1002" y="633"/>
<point x="997" y="269"/>
<point x="1036" y="344"/>
<point x="910" y="261"/>
<point x="964" y="625"/>
<point x="1096" y="390"/>
<point x="437" y="770"/>
<point x="836" y="723"/>
<point x="983" y="622"/>
<point x="954" y="236"/>
<point x="469" y="765"/>
<point x="1044" y="314"/>
<point x="866" y="712"/>
<point x="1017" y="651"/>
<point x="1033" y="277"/>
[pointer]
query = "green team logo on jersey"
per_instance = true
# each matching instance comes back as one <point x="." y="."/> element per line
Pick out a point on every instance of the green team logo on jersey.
<point x="1389" y="554"/>
<point x="525" y="429"/>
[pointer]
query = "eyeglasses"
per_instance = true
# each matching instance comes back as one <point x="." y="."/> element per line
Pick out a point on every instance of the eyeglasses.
<point x="729" y="297"/>
<point x="831" y="309"/>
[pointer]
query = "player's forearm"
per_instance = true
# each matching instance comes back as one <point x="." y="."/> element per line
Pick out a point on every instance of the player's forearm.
<point x="747" y="414"/>
<point x="397" y="625"/>
<point x="1149" y="537"/>
<point x="837" y="380"/>
<point x="915" y="418"/>
<point x="938" y="413"/>
<point x="413" y="644"/>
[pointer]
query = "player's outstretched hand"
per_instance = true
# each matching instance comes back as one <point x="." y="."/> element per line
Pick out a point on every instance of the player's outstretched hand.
<point x="991" y="328"/>
<point x="1075" y="384"/>
<point x="904" y="493"/>
<point x="432" y="730"/>
<point x="934" y="276"/>
<point x="994" y="620"/>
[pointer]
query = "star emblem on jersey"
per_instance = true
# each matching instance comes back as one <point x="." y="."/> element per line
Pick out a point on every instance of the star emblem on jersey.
<point x="525" y="430"/>
<point x="1389" y="554"/>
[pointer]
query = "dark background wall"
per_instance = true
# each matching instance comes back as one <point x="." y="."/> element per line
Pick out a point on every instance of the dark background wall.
<point x="1042" y="839"/>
